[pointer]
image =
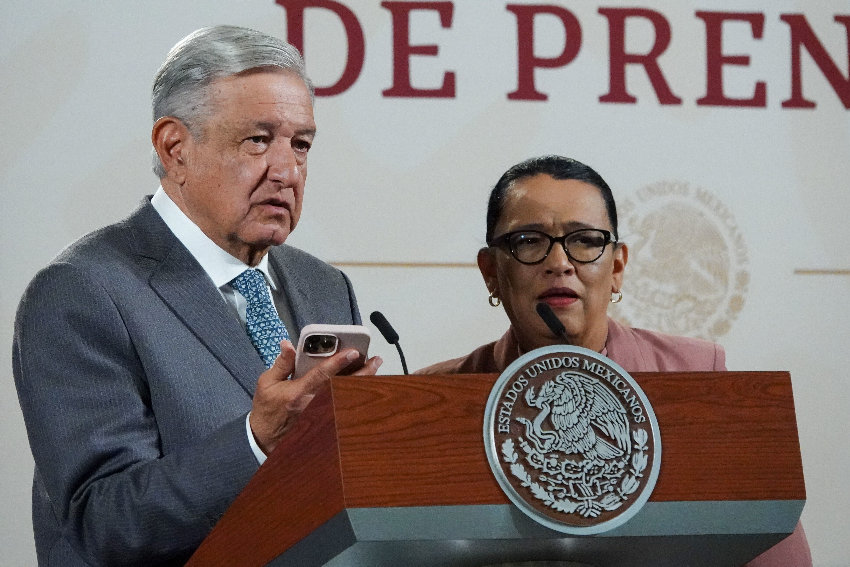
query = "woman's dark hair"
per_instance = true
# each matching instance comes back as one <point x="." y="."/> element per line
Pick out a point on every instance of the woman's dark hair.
<point x="559" y="167"/>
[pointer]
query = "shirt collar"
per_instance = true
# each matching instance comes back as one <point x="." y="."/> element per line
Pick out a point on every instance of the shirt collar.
<point x="219" y="265"/>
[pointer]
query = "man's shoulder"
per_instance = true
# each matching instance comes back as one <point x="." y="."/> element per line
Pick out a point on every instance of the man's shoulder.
<point x="109" y="256"/>
<point x="116" y="240"/>
<point x="100" y="243"/>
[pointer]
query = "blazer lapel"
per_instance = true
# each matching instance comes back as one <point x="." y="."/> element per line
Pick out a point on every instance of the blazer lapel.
<point x="183" y="285"/>
<point x="622" y="347"/>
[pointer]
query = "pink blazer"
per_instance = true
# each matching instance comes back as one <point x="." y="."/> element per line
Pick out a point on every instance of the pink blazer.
<point x="636" y="350"/>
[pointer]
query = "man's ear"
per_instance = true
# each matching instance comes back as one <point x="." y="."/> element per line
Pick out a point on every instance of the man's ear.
<point x="170" y="137"/>
<point x="487" y="267"/>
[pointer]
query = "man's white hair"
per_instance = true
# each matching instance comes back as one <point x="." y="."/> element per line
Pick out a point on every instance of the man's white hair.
<point x="181" y="86"/>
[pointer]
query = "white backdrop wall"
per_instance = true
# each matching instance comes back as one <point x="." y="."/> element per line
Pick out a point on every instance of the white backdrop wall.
<point x="736" y="215"/>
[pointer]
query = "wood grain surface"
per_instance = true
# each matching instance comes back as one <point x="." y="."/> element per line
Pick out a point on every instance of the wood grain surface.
<point x="413" y="441"/>
<point x="388" y="441"/>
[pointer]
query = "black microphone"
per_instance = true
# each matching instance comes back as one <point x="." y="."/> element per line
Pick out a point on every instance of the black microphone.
<point x="389" y="334"/>
<point x="552" y="321"/>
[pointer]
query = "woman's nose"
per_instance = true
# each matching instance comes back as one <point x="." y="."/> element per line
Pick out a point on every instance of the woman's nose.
<point x="558" y="261"/>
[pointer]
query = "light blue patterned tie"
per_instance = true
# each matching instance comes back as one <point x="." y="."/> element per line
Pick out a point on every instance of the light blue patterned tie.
<point x="264" y="326"/>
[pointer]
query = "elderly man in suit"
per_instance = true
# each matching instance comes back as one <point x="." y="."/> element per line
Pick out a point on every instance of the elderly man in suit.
<point x="151" y="357"/>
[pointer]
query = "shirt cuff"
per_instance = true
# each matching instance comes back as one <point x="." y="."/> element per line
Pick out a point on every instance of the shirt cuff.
<point x="258" y="453"/>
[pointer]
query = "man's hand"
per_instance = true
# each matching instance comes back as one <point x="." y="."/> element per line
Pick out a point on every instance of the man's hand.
<point x="278" y="402"/>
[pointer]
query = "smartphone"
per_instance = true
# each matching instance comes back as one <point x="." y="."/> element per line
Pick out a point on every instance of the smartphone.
<point x="318" y="342"/>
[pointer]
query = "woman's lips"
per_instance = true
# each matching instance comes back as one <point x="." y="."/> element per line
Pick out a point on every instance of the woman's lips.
<point x="559" y="297"/>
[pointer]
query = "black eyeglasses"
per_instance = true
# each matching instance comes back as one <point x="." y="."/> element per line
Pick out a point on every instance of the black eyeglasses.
<point x="533" y="246"/>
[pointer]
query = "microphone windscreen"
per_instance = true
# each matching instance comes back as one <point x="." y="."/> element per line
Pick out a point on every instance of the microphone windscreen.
<point x="384" y="327"/>
<point x="550" y="319"/>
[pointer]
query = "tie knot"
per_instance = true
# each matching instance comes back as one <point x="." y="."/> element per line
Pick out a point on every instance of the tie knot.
<point x="250" y="283"/>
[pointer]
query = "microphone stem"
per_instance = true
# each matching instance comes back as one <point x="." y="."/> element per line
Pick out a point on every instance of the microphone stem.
<point x="401" y="356"/>
<point x="552" y="321"/>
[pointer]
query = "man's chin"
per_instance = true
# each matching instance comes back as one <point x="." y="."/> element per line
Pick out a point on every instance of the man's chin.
<point x="272" y="236"/>
<point x="252" y="247"/>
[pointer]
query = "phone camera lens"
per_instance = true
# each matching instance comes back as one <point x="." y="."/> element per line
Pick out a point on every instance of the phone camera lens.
<point x="320" y="345"/>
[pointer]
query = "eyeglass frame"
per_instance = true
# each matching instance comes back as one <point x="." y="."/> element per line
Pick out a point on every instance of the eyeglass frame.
<point x="502" y="241"/>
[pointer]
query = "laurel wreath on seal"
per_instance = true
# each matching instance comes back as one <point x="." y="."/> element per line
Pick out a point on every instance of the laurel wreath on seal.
<point x="588" y="506"/>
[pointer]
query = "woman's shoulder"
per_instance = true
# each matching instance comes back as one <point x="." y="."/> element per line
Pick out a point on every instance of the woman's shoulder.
<point x="488" y="358"/>
<point x="642" y="350"/>
<point x="477" y="361"/>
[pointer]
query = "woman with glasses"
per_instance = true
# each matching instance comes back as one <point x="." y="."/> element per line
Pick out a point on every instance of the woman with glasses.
<point x="552" y="239"/>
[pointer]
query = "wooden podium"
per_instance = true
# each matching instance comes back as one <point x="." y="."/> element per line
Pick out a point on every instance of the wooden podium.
<point x="392" y="471"/>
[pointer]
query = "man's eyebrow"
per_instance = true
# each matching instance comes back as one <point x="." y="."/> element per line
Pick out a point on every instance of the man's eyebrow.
<point x="308" y="131"/>
<point x="271" y="126"/>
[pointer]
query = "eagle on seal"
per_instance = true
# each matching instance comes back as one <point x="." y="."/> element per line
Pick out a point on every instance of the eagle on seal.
<point x="587" y="418"/>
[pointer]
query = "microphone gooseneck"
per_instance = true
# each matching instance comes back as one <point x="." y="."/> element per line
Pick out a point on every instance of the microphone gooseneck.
<point x="389" y="334"/>
<point x="552" y="320"/>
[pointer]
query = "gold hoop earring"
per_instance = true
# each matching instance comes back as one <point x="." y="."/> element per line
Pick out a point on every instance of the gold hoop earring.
<point x="493" y="300"/>
<point x="617" y="296"/>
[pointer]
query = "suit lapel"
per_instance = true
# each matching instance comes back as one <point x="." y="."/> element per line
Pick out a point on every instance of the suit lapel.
<point x="183" y="285"/>
<point x="295" y="289"/>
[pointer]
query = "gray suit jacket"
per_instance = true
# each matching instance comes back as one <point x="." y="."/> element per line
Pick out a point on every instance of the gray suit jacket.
<point x="135" y="377"/>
